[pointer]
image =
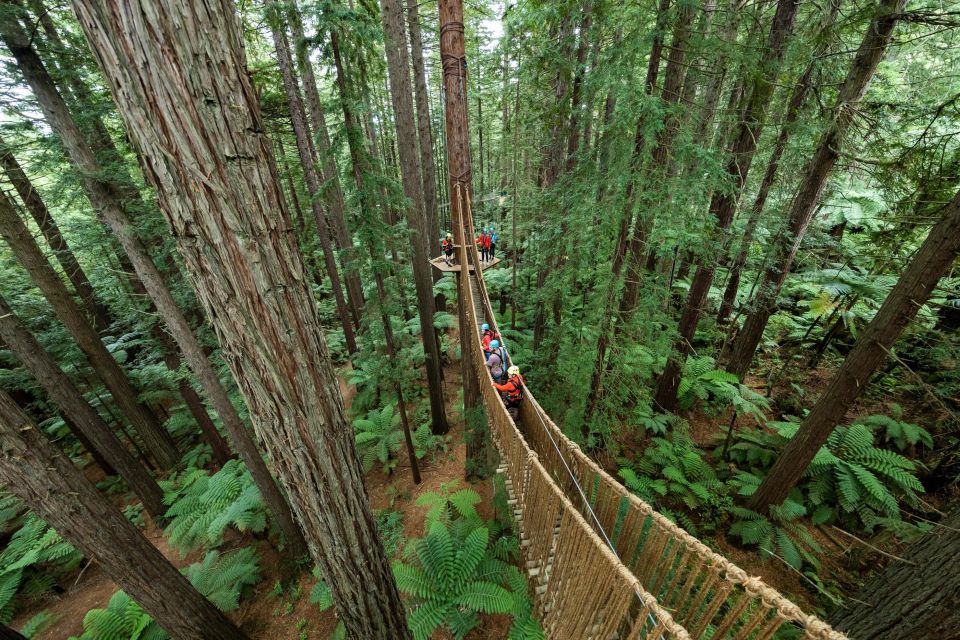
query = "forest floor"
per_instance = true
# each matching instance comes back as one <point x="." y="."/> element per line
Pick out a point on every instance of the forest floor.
<point x="282" y="614"/>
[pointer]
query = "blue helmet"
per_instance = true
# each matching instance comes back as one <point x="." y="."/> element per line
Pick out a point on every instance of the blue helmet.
<point x="494" y="344"/>
<point x="485" y="327"/>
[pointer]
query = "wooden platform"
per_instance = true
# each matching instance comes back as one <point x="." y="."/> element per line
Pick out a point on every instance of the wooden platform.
<point x="438" y="263"/>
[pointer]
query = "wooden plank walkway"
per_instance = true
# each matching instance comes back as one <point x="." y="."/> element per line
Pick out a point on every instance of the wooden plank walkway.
<point x="439" y="264"/>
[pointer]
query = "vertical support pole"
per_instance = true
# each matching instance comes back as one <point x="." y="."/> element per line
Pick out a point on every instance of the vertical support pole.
<point x="454" y="61"/>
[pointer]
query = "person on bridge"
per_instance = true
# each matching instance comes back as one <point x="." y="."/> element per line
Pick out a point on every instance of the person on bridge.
<point x="448" y="249"/>
<point x="497" y="361"/>
<point x="483" y="243"/>
<point x="486" y="337"/>
<point x="512" y="391"/>
<point x="492" y="238"/>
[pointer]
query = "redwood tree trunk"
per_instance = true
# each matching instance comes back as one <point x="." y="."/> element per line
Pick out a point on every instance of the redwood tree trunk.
<point x="931" y="261"/>
<point x="307" y="161"/>
<point x="51" y="232"/>
<point x="77" y="410"/>
<point x="46" y="480"/>
<point x="16" y="234"/>
<point x="871" y="52"/>
<point x="918" y="597"/>
<point x="203" y="146"/>
<point x="724" y="202"/>
<point x="398" y="66"/>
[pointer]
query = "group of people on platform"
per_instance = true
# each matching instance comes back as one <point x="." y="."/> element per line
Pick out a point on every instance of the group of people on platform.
<point x="506" y="377"/>
<point x="486" y="245"/>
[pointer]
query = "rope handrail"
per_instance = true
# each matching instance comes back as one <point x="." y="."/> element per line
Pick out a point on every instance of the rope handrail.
<point x="701" y="587"/>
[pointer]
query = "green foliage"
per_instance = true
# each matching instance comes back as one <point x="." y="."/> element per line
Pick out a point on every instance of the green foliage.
<point x="223" y="577"/>
<point x="31" y="563"/>
<point x="780" y="533"/>
<point x="673" y="475"/>
<point x="448" y="504"/>
<point x="903" y="435"/>
<point x="717" y="388"/>
<point x="38" y="624"/>
<point x="379" y="439"/>
<point x="202" y="506"/>
<point x="123" y="619"/>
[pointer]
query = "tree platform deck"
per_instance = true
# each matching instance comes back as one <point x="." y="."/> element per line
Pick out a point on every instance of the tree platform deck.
<point x="438" y="263"/>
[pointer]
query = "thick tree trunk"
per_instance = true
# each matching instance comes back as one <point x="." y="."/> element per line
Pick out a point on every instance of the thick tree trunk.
<point x="307" y="161"/>
<point x="918" y="597"/>
<point x="16" y="234"/>
<point x="212" y="165"/>
<point x="576" y="94"/>
<point x="332" y="191"/>
<point x="104" y="197"/>
<point x="428" y="170"/>
<point x="77" y="411"/>
<point x="456" y="106"/>
<point x="871" y="52"/>
<point x="46" y="480"/>
<point x="395" y="43"/>
<point x="51" y="232"/>
<point x="931" y="261"/>
<point x="724" y="203"/>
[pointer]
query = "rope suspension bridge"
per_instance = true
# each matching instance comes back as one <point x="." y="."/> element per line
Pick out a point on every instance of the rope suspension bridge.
<point x="602" y="563"/>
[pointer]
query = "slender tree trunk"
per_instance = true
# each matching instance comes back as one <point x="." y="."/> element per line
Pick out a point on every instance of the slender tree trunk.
<point x="573" y="135"/>
<point x="916" y="597"/>
<point x="425" y="135"/>
<point x="213" y="168"/>
<point x="298" y="217"/>
<point x="871" y="52"/>
<point x="307" y="160"/>
<point x="46" y="480"/>
<point x="724" y="203"/>
<point x="77" y="411"/>
<point x="51" y="232"/>
<point x="332" y="191"/>
<point x="16" y="234"/>
<point x="930" y="263"/>
<point x="399" y="74"/>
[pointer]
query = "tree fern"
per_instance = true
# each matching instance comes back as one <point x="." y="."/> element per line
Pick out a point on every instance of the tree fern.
<point x="379" y="438"/>
<point x="223" y="577"/>
<point x="447" y="504"/>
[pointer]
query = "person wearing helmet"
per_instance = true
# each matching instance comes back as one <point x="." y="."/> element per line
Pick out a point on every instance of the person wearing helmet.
<point x="496" y="360"/>
<point x="483" y="244"/>
<point x="488" y="334"/>
<point x="448" y="249"/>
<point x="512" y="391"/>
<point x="492" y="239"/>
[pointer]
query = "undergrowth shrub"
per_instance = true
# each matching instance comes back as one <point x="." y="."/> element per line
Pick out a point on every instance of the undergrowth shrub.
<point x="716" y="388"/>
<point x="202" y="506"/>
<point x="379" y="439"/>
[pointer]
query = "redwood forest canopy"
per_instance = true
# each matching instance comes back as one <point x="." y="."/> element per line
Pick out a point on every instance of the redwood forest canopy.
<point x="241" y="396"/>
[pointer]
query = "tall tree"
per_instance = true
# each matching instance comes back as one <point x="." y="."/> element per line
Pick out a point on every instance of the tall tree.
<point x="77" y="410"/>
<point x="51" y="232"/>
<point x="105" y="197"/>
<point x="871" y="52"/>
<point x="723" y="204"/>
<point x="308" y="163"/>
<point x="914" y="596"/>
<point x="21" y="241"/>
<point x="931" y="261"/>
<point x="398" y="68"/>
<point x="46" y="480"/>
<point x="213" y="168"/>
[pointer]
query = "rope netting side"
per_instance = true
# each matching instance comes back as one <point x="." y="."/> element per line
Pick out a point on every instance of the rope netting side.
<point x="581" y="588"/>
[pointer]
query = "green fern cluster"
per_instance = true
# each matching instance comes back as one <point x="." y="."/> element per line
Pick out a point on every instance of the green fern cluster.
<point x="202" y="506"/>
<point x="221" y="578"/>
<point x="891" y="429"/>
<point x="449" y="503"/>
<point x="31" y="563"/>
<point x="673" y="475"/>
<point x="379" y="439"/>
<point x="702" y="381"/>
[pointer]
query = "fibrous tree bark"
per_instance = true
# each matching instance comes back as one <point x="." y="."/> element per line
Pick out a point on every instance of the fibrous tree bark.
<point x="398" y="67"/>
<point x="202" y="144"/>
<point x="37" y="209"/>
<point x="871" y="52"/>
<point x="105" y="198"/>
<point x="46" y="480"/>
<point x="308" y="162"/>
<point x="915" y="596"/>
<point x="931" y="261"/>
<point x="20" y="240"/>
<point x="77" y="410"/>
<point x="456" y="116"/>
<point x="724" y="203"/>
